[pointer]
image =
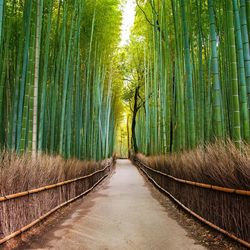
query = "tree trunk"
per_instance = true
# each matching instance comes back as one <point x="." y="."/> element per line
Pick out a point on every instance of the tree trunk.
<point x="134" y="143"/>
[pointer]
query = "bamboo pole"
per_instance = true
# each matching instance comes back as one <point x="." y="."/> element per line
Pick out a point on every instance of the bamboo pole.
<point x="37" y="190"/>
<point x="243" y="242"/>
<point x="25" y="228"/>
<point x="36" y="78"/>
<point x="198" y="184"/>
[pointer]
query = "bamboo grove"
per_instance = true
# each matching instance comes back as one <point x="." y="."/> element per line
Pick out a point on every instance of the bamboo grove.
<point x="194" y="73"/>
<point x="57" y="94"/>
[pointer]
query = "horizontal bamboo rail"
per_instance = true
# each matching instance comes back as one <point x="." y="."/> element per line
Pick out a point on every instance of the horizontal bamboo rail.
<point x="25" y="228"/>
<point x="198" y="184"/>
<point x="245" y="243"/>
<point x="37" y="190"/>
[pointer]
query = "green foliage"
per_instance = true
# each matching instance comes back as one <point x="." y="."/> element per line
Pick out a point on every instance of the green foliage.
<point x="194" y="55"/>
<point x="76" y="95"/>
<point x="186" y="73"/>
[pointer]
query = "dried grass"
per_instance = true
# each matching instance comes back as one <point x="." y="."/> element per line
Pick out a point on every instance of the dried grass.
<point x="19" y="174"/>
<point x="220" y="164"/>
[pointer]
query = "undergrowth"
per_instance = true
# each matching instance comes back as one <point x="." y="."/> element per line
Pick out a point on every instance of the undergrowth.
<point x="221" y="164"/>
<point x="22" y="173"/>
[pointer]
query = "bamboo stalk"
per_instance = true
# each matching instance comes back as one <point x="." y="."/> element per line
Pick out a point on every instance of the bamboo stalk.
<point x="24" y="75"/>
<point x="36" y="78"/>
<point x="218" y="130"/>
<point x="1" y="18"/>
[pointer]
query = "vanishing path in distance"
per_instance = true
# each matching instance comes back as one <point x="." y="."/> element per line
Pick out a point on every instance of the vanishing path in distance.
<point x="122" y="214"/>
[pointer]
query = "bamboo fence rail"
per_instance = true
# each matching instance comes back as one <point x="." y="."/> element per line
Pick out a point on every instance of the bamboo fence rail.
<point x="198" y="184"/>
<point x="37" y="190"/>
<point x="142" y="167"/>
<point x="33" y="191"/>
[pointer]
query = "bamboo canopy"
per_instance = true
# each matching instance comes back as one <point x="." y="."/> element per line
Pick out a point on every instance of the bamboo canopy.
<point x="56" y="93"/>
<point x="195" y="73"/>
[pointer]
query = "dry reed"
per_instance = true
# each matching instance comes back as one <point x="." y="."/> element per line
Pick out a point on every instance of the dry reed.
<point x="220" y="164"/>
<point x="19" y="174"/>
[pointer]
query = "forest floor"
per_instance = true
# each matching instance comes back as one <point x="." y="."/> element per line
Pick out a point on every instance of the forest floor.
<point x="125" y="212"/>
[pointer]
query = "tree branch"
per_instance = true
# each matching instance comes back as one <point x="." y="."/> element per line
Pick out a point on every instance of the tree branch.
<point x="145" y="15"/>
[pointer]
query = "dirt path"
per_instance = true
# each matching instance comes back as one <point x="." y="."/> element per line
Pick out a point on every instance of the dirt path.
<point x="123" y="214"/>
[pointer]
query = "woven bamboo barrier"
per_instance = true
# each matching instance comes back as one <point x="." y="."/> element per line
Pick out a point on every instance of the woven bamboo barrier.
<point x="198" y="184"/>
<point x="94" y="179"/>
<point x="37" y="190"/>
<point x="25" y="228"/>
<point x="177" y="191"/>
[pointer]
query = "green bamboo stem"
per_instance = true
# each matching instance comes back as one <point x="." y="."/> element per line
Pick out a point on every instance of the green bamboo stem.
<point x="27" y="18"/>
<point x="234" y="82"/>
<point x="218" y="130"/>
<point x="241" y="70"/>
<point x="188" y="67"/>
<point x="246" y="51"/>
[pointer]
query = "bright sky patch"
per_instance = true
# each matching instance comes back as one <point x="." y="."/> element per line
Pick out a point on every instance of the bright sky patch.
<point x="128" y="17"/>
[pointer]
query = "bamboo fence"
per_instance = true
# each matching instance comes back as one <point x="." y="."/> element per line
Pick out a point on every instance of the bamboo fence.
<point x="102" y="172"/>
<point x="180" y="195"/>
